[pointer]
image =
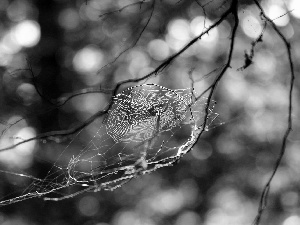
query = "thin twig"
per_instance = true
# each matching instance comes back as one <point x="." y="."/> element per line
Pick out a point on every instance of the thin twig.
<point x="203" y="10"/>
<point x="160" y="68"/>
<point x="135" y="42"/>
<point x="63" y="100"/>
<point x="68" y="132"/>
<point x="249" y="57"/>
<point x="33" y="78"/>
<point x="9" y="125"/>
<point x="265" y="194"/>
<point x="234" y="11"/>
<point x="121" y="9"/>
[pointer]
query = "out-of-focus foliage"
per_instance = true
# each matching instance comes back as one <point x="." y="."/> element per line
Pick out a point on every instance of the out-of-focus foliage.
<point x="67" y="43"/>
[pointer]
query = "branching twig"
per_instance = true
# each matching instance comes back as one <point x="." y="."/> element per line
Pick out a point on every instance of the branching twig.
<point x="9" y="125"/>
<point x="278" y="17"/>
<point x="265" y="193"/>
<point x="68" y="132"/>
<point x="168" y="61"/>
<point x="36" y="86"/>
<point x="161" y="67"/>
<point x="209" y="73"/>
<point x="234" y="10"/>
<point x="203" y="10"/>
<point x="190" y="73"/>
<point x="135" y="42"/>
<point x="63" y="100"/>
<point x="141" y="2"/>
<point x="54" y="105"/>
<point x="249" y="57"/>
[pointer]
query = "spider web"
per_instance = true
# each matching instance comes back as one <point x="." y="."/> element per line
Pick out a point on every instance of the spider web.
<point x="148" y="127"/>
<point x="141" y="111"/>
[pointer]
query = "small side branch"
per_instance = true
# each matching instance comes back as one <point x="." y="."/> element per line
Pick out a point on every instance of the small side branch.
<point x="234" y="11"/>
<point x="249" y="56"/>
<point x="160" y="68"/>
<point x="124" y="7"/>
<point x="52" y="134"/>
<point x="138" y="37"/>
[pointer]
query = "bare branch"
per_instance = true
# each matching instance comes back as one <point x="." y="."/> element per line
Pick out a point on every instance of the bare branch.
<point x="168" y="61"/>
<point x="160" y="68"/>
<point x="249" y="57"/>
<point x="135" y="42"/>
<point x="58" y="103"/>
<point x="9" y="125"/>
<point x="234" y="11"/>
<point x="210" y="73"/>
<point x="51" y="134"/>
<point x="203" y="10"/>
<point x="63" y="100"/>
<point x="190" y="73"/>
<point x="289" y="11"/>
<point x="265" y="193"/>
<point x="36" y="86"/>
<point x="141" y="2"/>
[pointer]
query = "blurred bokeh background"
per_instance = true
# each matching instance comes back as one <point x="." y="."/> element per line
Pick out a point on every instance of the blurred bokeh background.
<point x="66" y="43"/>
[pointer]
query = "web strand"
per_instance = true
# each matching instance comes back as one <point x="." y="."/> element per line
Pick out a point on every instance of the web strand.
<point x="139" y="135"/>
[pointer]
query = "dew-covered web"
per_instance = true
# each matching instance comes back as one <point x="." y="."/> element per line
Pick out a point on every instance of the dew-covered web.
<point x="147" y="127"/>
<point x="140" y="112"/>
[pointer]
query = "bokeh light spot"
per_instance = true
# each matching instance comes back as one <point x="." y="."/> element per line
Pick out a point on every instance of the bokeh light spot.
<point x="188" y="218"/>
<point x="88" y="59"/>
<point x="292" y="220"/>
<point x="267" y="70"/>
<point x="131" y="218"/>
<point x="290" y="199"/>
<point x="138" y="60"/>
<point x="17" y="10"/>
<point x="167" y="202"/>
<point x="208" y="41"/>
<point x="199" y="25"/>
<point x="8" y="44"/>
<point x="88" y="206"/>
<point x="277" y="13"/>
<point x="179" y="29"/>
<point x="88" y="103"/>
<point x="68" y="19"/>
<point x="23" y="134"/>
<point x="294" y="5"/>
<point x="21" y="156"/>
<point x="27" y="33"/>
<point x="251" y="26"/>
<point x="158" y="49"/>
<point x="26" y="92"/>
<point x="202" y="151"/>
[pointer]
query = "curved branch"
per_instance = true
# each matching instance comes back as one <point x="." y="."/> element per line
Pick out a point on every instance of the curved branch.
<point x="68" y="132"/>
<point x="234" y="11"/>
<point x="168" y="61"/>
<point x="135" y="42"/>
<point x="141" y="2"/>
<point x="33" y="78"/>
<point x="63" y="100"/>
<point x="159" y="69"/>
<point x="249" y="57"/>
<point x="265" y="194"/>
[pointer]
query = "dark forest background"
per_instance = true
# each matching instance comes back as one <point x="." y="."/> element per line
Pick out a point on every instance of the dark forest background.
<point x="52" y="50"/>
